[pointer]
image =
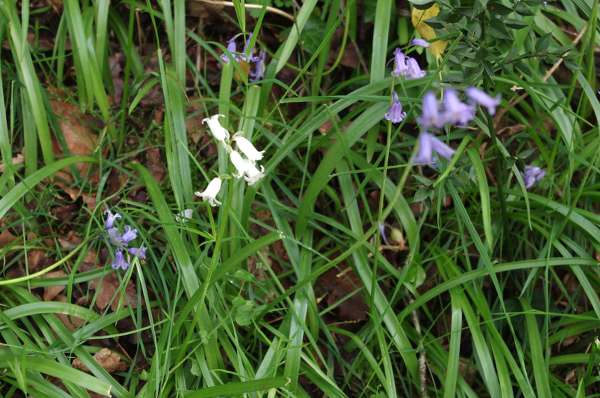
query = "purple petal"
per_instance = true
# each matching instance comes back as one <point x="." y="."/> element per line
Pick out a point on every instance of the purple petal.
<point x="139" y="252"/>
<point x="110" y="218"/>
<point x="441" y="148"/>
<point x="114" y="237"/>
<point x="532" y="175"/>
<point x="478" y="96"/>
<point x="431" y="116"/>
<point x="395" y="114"/>
<point x="119" y="261"/>
<point x="456" y="111"/>
<point x="400" y="67"/>
<point x="425" y="152"/>
<point x="231" y="49"/>
<point x="413" y="69"/>
<point x="420" y="43"/>
<point x="129" y="234"/>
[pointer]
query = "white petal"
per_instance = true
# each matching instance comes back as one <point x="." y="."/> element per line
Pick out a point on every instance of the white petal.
<point x="184" y="215"/>
<point x="239" y="163"/>
<point x="245" y="146"/>
<point x="253" y="174"/>
<point x="216" y="129"/>
<point x="211" y="192"/>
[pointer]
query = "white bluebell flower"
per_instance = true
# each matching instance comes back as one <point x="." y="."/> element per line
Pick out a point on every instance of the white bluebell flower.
<point x="211" y="192"/>
<point x="219" y="132"/>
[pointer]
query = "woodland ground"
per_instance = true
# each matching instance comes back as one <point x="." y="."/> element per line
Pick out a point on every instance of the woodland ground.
<point x="347" y="270"/>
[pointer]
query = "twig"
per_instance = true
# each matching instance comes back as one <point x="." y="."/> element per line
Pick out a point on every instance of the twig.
<point x="251" y="6"/>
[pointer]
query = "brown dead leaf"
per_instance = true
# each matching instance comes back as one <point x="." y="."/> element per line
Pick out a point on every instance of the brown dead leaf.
<point x="338" y="283"/>
<point x="36" y="259"/>
<point x="155" y="164"/>
<point x="109" y="292"/>
<point x="70" y="322"/>
<point x="50" y="292"/>
<point x="80" y="140"/>
<point x="5" y="235"/>
<point x="109" y="360"/>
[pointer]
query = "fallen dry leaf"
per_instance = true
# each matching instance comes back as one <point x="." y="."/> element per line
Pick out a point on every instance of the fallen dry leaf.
<point x="107" y="287"/>
<point x="80" y="140"/>
<point x="70" y="322"/>
<point x="109" y="360"/>
<point x="155" y="164"/>
<point x="5" y="236"/>
<point x="36" y="259"/>
<point x="50" y="292"/>
<point x="338" y="283"/>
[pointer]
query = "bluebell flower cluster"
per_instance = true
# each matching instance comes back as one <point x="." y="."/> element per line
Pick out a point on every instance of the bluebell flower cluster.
<point x="406" y="67"/>
<point x="257" y="62"/>
<point x="120" y="241"/>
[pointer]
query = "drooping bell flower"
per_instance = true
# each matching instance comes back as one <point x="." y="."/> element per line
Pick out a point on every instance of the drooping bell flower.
<point x="210" y="193"/>
<point x="533" y="175"/>
<point x="395" y="113"/>
<point x="480" y="97"/>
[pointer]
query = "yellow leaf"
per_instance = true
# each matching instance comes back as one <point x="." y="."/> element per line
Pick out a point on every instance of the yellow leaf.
<point x="418" y="18"/>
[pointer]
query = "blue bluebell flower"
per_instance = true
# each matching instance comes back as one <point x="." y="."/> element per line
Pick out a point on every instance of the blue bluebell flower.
<point x="414" y="71"/>
<point x="120" y="261"/>
<point x="480" y="97"/>
<point x="406" y="67"/>
<point x="431" y="115"/>
<point x="139" y="252"/>
<point x="532" y="175"/>
<point x="129" y="235"/>
<point x="231" y="49"/>
<point x="120" y="241"/>
<point x="429" y="145"/>
<point x="395" y="114"/>
<point x="456" y="111"/>
<point x="110" y="218"/>
<point x="400" y="67"/>
<point x="420" y="43"/>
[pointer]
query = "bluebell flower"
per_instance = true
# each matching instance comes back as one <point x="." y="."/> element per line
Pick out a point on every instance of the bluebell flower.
<point x="231" y="49"/>
<point x="400" y="67"/>
<point x="395" y="114"/>
<point x="110" y="218"/>
<point x="120" y="241"/>
<point x="430" y="145"/>
<point x="114" y="236"/>
<point x="120" y="261"/>
<point x="139" y="252"/>
<point x="431" y="115"/>
<point x="420" y="43"/>
<point x="414" y="70"/>
<point x="456" y="111"/>
<point x="478" y="96"/>
<point x="532" y="175"/>
<point x="258" y="71"/>
<point x="129" y="235"/>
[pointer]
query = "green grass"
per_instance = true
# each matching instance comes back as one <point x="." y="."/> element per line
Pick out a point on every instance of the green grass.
<point x="494" y="294"/>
